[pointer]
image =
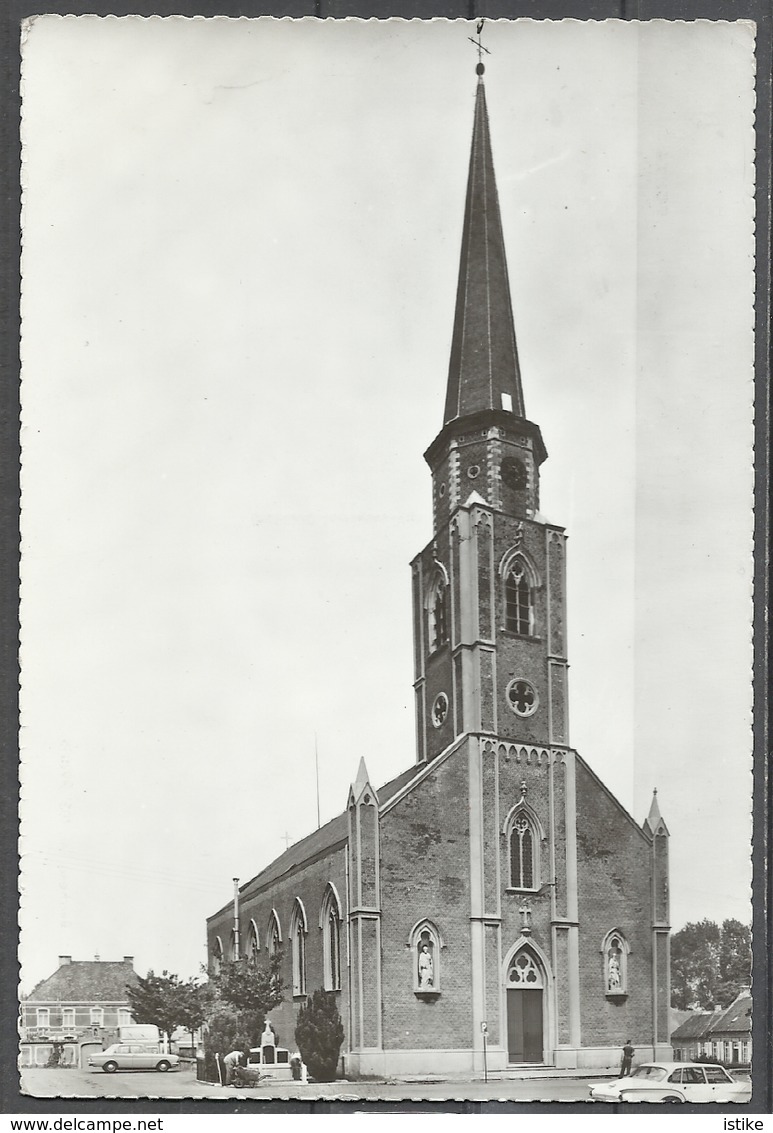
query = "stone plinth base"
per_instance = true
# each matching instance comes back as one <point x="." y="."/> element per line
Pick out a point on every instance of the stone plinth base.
<point x="439" y="1062"/>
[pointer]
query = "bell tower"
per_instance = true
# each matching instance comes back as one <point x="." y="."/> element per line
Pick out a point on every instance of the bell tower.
<point x="489" y="590"/>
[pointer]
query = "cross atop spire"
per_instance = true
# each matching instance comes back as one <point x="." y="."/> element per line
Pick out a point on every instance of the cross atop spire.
<point x="478" y="31"/>
<point x="484" y="372"/>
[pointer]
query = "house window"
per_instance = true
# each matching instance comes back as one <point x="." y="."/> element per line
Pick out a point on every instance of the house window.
<point x="614" y="950"/>
<point x="217" y="956"/>
<point x="43" y="1018"/>
<point x="518" y="603"/>
<point x="425" y="944"/>
<point x="97" y="1016"/>
<point x="331" y="940"/>
<point x="274" y="935"/>
<point x="437" y="613"/>
<point x="298" y="940"/>
<point x="253" y="945"/>
<point x="124" y="1017"/>
<point x="68" y="1018"/>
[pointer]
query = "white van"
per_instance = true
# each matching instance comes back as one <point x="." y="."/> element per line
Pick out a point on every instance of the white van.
<point x="145" y="1033"/>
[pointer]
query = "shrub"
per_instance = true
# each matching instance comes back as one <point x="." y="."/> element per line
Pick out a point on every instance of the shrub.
<point x="223" y="1035"/>
<point x="319" y="1034"/>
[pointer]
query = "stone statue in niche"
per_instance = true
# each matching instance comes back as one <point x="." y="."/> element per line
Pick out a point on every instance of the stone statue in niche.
<point x="614" y="974"/>
<point x="426" y="965"/>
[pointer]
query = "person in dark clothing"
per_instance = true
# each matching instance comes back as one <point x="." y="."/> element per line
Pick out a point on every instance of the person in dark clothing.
<point x="625" y="1066"/>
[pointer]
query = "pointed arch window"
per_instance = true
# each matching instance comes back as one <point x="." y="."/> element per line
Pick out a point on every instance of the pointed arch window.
<point x="217" y="956"/>
<point x="274" y="935"/>
<point x="331" y="940"/>
<point x="614" y="952"/>
<point x="524" y="837"/>
<point x="298" y="930"/>
<point x="253" y="945"/>
<point x="437" y="612"/>
<point x="519" y="613"/>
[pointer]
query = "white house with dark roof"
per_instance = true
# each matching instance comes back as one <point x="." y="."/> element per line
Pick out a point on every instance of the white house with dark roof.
<point x="81" y="998"/>
<point x="724" y="1034"/>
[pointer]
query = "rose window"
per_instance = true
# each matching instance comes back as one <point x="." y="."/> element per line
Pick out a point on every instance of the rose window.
<point x="522" y="697"/>
<point x="439" y="709"/>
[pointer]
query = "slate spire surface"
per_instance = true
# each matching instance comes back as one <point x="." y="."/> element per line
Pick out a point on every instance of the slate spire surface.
<point x="484" y="372"/>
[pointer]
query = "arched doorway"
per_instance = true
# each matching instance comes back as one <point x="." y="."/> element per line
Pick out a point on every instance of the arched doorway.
<point x="525" y="991"/>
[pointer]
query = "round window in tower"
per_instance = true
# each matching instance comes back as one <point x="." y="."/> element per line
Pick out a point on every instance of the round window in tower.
<point x="473" y="471"/>
<point x="442" y="490"/>
<point x="522" y="697"/>
<point x="439" y="710"/>
<point x="514" y="473"/>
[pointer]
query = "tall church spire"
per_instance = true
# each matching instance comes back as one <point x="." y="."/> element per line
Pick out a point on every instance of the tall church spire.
<point x="484" y="371"/>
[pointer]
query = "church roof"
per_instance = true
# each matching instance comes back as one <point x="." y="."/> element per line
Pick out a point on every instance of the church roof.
<point x="314" y="845"/>
<point x="86" y="981"/>
<point x="484" y="358"/>
<point x="329" y="836"/>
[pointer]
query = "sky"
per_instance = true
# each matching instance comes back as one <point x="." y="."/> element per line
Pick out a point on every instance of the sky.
<point x="240" y="250"/>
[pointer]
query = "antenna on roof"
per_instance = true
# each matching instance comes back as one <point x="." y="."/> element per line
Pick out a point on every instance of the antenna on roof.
<point x="316" y="768"/>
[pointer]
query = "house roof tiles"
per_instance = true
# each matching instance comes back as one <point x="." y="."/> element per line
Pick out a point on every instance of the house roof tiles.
<point x="735" y="1019"/>
<point x="86" y="981"/>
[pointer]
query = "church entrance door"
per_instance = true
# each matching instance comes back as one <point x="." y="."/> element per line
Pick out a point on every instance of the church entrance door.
<point x="525" y="990"/>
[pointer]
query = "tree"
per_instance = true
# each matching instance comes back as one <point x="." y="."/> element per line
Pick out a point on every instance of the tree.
<point x="223" y="1035"/>
<point x="319" y="1034"/>
<point x="250" y="992"/>
<point x="168" y="1002"/>
<point x="709" y="964"/>
<point x="735" y="959"/>
<point x="193" y="1005"/>
<point x="695" y="965"/>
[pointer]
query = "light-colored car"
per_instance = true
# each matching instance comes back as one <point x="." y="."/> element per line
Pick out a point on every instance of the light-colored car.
<point x="133" y="1056"/>
<point x="674" y="1082"/>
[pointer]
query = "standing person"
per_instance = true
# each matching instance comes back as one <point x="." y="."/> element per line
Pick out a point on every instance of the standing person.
<point x="625" y="1066"/>
<point x="231" y="1061"/>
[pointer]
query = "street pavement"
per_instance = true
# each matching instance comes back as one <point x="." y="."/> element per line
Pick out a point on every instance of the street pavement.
<point x="75" y="1083"/>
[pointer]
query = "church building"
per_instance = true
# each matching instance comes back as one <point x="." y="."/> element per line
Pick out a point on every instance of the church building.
<point x="495" y="892"/>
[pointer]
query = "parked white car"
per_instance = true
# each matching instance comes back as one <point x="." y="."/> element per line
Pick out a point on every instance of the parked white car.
<point x="674" y="1082"/>
<point x="133" y="1056"/>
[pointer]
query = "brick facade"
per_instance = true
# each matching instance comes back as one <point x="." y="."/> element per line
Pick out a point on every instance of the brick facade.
<point x="497" y="884"/>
